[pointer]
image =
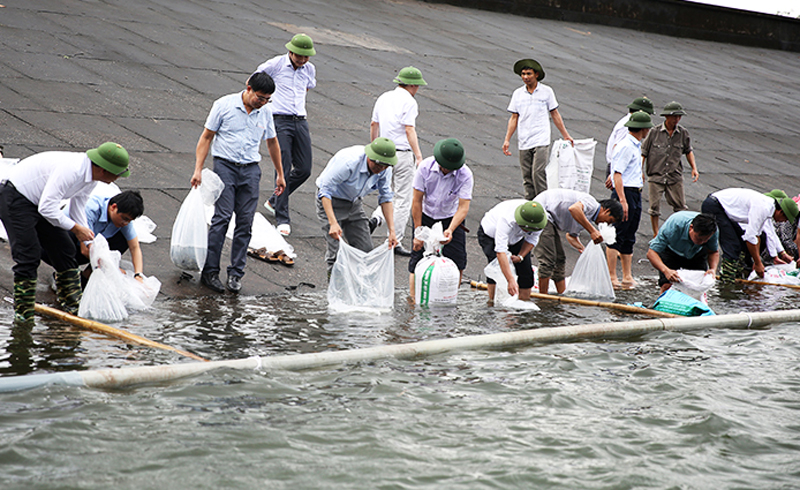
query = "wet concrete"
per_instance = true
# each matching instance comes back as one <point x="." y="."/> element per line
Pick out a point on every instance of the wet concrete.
<point x="74" y="74"/>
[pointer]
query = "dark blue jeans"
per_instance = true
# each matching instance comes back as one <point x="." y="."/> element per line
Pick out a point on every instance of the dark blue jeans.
<point x="239" y="196"/>
<point x="295" y="142"/>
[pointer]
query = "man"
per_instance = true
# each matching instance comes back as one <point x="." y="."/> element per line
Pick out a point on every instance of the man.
<point x="688" y="240"/>
<point x="394" y="117"/>
<point x="351" y="174"/>
<point x="569" y="212"/>
<point x="626" y="167"/>
<point x="442" y="192"/>
<point x="530" y="107"/>
<point x="742" y="215"/>
<point x="30" y="200"/>
<point x="294" y="76"/>
<point x="233" y="132"/>
<point x="512" y="227"/>
<point x="620" y="131"/>
<point x="112" y="216"/>
<point x="661" y="153"/>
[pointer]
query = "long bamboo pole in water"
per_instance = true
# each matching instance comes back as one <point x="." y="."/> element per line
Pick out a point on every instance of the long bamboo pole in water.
<point x="116" y="378"/>
<point x="605" y="304"/>
<point x="108" y="330"/>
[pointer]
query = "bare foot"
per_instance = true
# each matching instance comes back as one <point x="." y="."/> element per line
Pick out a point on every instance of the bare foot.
<point x="629" y="284"/>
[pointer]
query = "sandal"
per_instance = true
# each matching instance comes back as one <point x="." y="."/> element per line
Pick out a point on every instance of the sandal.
<point x="285" y="259"/>
<point x="260" y="253"/>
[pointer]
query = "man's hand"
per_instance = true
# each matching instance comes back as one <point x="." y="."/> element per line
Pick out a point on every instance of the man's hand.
<point x="335" y="231"/>
<point x="197" y="178"/>
<point x="609" y="182"/>
<point x="448" y="236"/>
<point x="280" y="185"/>
<point x="513" y="288"/>
<point x="596" y="236"/>
<point x="672" y="275"/>
<point x="695" y="175"/>
<point x="505" y="148"/>
<point x="417" y="244"/>
<point x="759" y="268"/>
<point x="82" y="233"/>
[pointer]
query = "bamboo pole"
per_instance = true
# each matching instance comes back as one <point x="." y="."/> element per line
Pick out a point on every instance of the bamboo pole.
<point x="764" y="283"/>
<point x="601" y="304"/>
<point x="605" y="304"/>
<point x="117" y="378"/>
<point x="111" y="331"/>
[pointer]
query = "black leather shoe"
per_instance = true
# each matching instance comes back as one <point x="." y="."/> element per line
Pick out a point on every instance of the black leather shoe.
<point x="212" y="282"/>
<point x="399" y="250"/>
<point x="234" y="284"/>
<point x="373" y="223"/>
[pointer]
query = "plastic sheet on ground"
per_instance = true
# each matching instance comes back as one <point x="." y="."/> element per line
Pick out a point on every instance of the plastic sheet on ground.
<point x="362" y="281"/>
<point x="436" y="278"/>
<point x="501" y="296"/>
<point x="590" y="278"/>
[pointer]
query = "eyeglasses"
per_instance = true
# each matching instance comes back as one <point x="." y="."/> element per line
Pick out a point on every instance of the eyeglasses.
<point x="262" y="99"/>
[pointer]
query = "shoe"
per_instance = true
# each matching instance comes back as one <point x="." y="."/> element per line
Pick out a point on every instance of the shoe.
<point x="374" y="223"/>
<point x="269" y="207"/>
<point x="234" y="284"/>
<point x="401" y="251"/>
<point x="284" y="229"/>
<point x="212" y="282"/>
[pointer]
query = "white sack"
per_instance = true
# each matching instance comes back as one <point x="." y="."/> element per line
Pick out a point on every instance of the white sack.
<point x="570" y="167"/>
<point x="501" y="296"/>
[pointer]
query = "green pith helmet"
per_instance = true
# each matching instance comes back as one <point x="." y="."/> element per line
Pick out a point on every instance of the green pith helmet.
<point x="301" y="44"/>
<point x="531" y="215"/>
<point x="789" y="208"/>
<point x="529" y="63"/>
<point x="673" y="109"/>
<point x="382" y="150"/>
<point x="776" y="194"/>
<point x="642" y="104"/>
<point x="410" y="76"/>
<point x="449" y="153"/>
<point x="112" y="157"/>
<point x="638" y="120"/>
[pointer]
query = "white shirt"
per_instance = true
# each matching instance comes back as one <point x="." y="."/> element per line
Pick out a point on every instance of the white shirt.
<point x="556" y="203"/>
<point x="627" y="161"/>
<point x="45" y="179"/>
<point x="393" y="111"/>
<point x="291" y="85"/>
<point x="619" y="132"/>
<point x="500" y="224"/>
<point x="753" y="211"/>
<point x="533" y="125"/>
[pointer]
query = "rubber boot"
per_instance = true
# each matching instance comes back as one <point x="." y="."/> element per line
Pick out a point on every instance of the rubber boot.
<point x="24" y="300"/>
<point x="729" y="271"/>
<point x="68" y="290"/>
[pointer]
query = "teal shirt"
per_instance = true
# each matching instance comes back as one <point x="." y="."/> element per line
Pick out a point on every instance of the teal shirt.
<point x="674" y="233"/>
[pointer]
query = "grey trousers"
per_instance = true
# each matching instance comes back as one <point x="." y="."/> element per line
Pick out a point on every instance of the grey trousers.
<point x="533" y="163"/>
<point x="354" y="224"/>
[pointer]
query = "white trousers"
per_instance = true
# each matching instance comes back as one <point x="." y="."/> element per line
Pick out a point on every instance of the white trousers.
<point x="403" y="187"/>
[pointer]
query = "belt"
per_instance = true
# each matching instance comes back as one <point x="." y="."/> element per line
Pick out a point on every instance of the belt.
<point x="234" y="163"/>
<point x="637" y="189"/>
<point x="404" y="150"/>
<point x="293" y="117"/>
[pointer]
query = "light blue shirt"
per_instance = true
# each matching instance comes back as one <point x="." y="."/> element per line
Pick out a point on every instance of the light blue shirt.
<point x="347" y="177"/>
<point x="674" y="234"/>
<point x="627" y="160"/>
<point x="238" y="134"/>
<point x="291" y="85"/>
<point x="99" y="223"/>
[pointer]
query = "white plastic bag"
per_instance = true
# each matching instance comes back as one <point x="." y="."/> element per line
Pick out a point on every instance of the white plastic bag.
<point x="436" y="278"/>
<point x="189" y="243"/>
<point x="104" y="295"/>
<point x="777" y="274"/>
<point x="501" y="296"/>
<point x="436" y="281"/>
<point x="694" y="283"/>
<point x="264" y="235"/>
<point x="144" y="227"/>
<point x="140" y="295"/>
<point x="590" y="278"/>
<point x="361" y="280"/>
<point x="570" y="167"/>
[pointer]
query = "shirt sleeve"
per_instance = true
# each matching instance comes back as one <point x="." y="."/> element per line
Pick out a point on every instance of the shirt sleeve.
<point x="774" y="245"/>
<point x="465" y="191"/>
<point x="334" y="174"/>
<point x="756" y="219"/>
<point x="533" y="238"/>
<point x="214" y="119"/>
<point x="687" y="143"/>
<point x="552" y="103"/>
<point x="385" y="193"/>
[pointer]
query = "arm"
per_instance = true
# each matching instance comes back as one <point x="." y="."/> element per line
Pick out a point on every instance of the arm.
<point x="620" y="190"/>
<point x="690" y="159"/>
<point x="374" y="130"/>
<point x="200" y="154"/>
<point x="713" y="262"/>
<point x="512" y="126"/>
<point x="576" y="210"/>
<point x="753" y="248"/>
<point x="136" y="257"/>
<point x="458" y="218"/>
<point x="274" y="149"/>
<point x="335" y="230"/>
<point x="576" y="244"/>
<point x="388" y="215"/>
<point x="671" y="275"/>
<point x="411" y="134"/>
<point x="560" y="125"/>
<point x="416" y="217"/>
<point x="505" y="267"/>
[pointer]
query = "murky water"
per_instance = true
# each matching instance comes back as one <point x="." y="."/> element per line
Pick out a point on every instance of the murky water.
<point x="708" y="409"/>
